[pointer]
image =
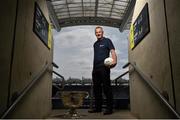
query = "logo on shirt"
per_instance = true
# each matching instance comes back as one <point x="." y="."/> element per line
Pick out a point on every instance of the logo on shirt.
<point x="101" y="45"/>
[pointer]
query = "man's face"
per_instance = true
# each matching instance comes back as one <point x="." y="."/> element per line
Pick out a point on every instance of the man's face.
<point x="99" y="33"/>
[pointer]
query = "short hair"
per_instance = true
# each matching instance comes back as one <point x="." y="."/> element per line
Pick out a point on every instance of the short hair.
<point x="97" y="27"/>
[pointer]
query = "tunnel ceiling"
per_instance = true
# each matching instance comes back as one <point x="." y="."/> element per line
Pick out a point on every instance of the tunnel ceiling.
<point x="112" y="13"/>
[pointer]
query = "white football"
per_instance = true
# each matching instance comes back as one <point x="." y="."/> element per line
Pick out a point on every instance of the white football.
<point x="108" y="61"/>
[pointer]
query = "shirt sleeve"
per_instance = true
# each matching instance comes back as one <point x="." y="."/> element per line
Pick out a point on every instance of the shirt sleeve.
<point x="110" y="45"/>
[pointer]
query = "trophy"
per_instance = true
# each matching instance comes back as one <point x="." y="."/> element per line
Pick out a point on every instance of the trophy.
<point x="73" y="100"/>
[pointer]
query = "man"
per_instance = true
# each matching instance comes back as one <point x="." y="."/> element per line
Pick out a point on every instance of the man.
<point x="101" y="73"/>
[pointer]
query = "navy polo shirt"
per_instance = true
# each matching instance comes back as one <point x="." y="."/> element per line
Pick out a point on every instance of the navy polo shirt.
<point x="101" y="51"/>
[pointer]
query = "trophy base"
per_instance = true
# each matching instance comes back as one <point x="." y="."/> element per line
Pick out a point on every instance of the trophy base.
<point x="72" y="100"/>
<point x="71" y="114"/>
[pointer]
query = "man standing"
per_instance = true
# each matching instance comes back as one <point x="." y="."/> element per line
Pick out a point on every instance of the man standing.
<point x="101" y="73"/>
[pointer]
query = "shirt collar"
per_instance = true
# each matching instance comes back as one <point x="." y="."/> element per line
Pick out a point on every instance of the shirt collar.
<point x="100" y="39"/>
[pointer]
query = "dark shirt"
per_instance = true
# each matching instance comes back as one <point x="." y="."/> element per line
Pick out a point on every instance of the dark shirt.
<point x="101" y="51"/>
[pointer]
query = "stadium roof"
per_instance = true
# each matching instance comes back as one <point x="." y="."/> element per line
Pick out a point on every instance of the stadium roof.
<point x="114" y="13"/>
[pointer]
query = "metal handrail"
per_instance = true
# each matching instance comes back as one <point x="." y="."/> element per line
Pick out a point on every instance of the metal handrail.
<point x="58" y="74"/>
<point x="155" y="90"/>
<point x="26" y="89"/>
<point x="120" y="76"/>
<point x="55" y="65"/>
<point x="63" y="80"/>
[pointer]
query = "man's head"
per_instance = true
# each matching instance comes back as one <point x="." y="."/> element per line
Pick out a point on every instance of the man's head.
<point x="99" y="32"/>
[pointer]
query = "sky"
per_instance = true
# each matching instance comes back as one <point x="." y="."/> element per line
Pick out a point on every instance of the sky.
<point x="73" y="50"/>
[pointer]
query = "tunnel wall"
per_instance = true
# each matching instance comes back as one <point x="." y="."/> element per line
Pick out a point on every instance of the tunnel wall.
<point x="30" y="55"/>
<point x="7" y="23"/>
<point x="173" y="25"/>
<point x="152" y="56"/>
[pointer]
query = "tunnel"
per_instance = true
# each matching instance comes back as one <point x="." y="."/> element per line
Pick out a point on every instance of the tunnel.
<point x="27" y="48"/>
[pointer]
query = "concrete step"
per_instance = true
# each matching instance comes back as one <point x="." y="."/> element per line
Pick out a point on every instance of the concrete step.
<point x="117" y="114"/>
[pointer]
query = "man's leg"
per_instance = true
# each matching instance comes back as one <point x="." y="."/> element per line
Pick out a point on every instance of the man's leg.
<point x="97" y="90"/>
<point x="108" y="91"/>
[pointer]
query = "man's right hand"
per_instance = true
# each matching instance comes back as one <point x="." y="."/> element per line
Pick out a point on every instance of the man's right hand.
<point x="113" y="65"/>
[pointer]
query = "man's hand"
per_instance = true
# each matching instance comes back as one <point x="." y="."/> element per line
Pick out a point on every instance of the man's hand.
<point x="114" y="57"/>
<point x="113" y="64"/>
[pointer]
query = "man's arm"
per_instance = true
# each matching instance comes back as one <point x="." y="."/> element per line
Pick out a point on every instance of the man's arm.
<point x="114" y="57"/>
